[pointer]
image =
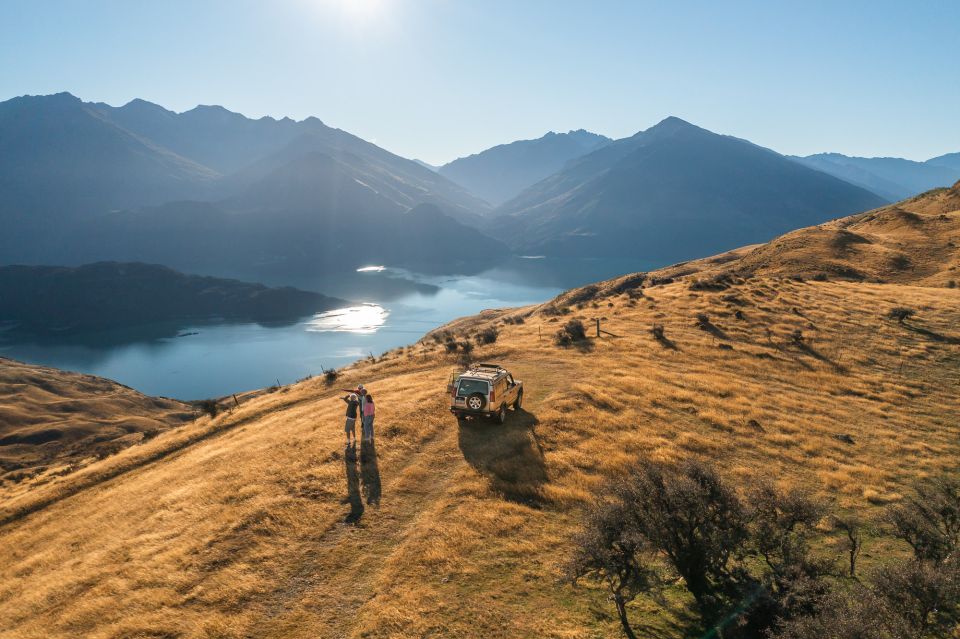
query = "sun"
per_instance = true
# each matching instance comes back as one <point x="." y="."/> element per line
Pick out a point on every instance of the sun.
<point x="362" y="10"/>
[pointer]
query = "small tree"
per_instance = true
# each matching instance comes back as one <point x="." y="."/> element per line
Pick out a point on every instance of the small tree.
<point x="609" y="550"/>
<point x="210" y="407"/>
<point x="930" y="520"/>
<point x="695" y="521"/>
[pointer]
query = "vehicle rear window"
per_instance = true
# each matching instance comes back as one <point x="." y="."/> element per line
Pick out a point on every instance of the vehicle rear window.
<point x="470" y="386"/>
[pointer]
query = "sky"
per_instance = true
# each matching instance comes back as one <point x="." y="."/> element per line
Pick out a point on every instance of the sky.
<point x="439" y="79"/>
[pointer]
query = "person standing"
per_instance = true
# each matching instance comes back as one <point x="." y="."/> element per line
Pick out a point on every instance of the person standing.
<point x="350" y="427"/>
<point x="369" y="410"/>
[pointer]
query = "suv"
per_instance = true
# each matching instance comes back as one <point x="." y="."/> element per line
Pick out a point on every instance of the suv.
<point x="484" y="390"/>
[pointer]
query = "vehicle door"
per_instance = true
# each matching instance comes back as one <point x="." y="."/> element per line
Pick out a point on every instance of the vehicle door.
<point x="509" y="389"/>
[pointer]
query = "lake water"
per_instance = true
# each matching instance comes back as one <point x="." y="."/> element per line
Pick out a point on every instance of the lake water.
<point x="201" y="361"/>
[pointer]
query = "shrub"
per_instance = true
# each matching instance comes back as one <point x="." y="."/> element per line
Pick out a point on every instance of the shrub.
<point x="488" y="335"/>
<point x="452" y="345"/>
<point x="658" y="333"/>
<point x="330" y="376"/>
<point x="572" y="331"/>
<point x="900" y="313"/>
<point x="630" y="284"/>
<point x="718" y="282"/>
<point x="951" y="284"/>
<point x="210" y="407"/>
<point x="703" y="321"/>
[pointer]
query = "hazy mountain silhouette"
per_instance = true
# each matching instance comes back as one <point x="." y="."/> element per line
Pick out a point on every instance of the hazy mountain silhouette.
<point x="892" y="178"/>
<point x="503" y="171"/>
<point x="109" y="295"/>
<point x="84" y="182"/>
<point x="951" y="160"/>
<point x="60" y="154"/>
<point x="670" y="193"/>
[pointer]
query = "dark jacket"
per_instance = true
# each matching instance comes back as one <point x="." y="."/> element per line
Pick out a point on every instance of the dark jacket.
<point x="352" y="407"/>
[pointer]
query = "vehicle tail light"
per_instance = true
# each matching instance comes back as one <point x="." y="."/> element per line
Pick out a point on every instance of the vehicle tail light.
<point x="493" y="396"/>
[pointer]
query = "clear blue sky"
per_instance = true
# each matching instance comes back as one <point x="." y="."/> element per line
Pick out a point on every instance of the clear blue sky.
<point x="435" y="79"/>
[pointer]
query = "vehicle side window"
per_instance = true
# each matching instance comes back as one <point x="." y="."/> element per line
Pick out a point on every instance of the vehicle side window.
<point x="502" y="385"/>
<point x="510" y="380"/>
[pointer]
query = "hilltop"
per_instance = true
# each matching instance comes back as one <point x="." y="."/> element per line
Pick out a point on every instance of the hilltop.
<point x="779" y="359"/>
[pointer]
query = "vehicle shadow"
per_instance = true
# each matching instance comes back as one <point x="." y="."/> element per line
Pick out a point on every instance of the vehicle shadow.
<point x="508" y="454"/>
<point x="353" y="485"/>
<point x="369" y="473"/>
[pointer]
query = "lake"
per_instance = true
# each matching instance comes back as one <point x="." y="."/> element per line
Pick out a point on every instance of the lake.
<point x="393" y="308"/>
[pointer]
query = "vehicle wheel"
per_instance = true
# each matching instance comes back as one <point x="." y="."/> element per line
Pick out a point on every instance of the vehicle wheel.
<point x="476" y="401"/>
<point x="502" y="414"/>
<point x="518" y="402"/>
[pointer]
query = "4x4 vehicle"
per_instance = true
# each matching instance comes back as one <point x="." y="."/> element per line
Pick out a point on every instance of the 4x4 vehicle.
<point x="484" y="390"/>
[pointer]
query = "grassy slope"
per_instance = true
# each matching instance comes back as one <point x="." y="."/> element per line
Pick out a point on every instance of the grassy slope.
<point x="53" y="422"/>
<point x="236" y="526"/>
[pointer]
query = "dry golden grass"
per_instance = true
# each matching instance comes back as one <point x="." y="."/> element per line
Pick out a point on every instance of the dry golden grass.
<point x="236" y="526"/>
<point x="54" y="422"/>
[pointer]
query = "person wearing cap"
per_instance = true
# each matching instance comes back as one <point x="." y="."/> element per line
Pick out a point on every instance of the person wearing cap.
<point x="350" y="427"/>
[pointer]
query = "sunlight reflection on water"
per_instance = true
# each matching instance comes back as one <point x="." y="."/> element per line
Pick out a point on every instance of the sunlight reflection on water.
<point x="366" y="318"/>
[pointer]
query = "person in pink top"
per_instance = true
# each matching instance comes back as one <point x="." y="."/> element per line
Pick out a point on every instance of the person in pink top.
<point x="369" y="410"/>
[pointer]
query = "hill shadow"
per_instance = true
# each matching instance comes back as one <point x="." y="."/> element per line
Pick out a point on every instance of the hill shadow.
<point x="509" y="455"/>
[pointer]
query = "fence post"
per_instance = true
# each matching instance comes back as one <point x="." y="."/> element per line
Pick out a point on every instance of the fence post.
<point x="598" y="327"/>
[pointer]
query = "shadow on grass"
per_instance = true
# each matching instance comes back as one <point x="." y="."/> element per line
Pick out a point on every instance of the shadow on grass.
<point x="817" y="355"/>
<point x="707" y="326"/>
<point x="369" y="473"/>
<point x="508" y="454"/>
<point x="937" y="337"/>
<point x="353" y="485"/>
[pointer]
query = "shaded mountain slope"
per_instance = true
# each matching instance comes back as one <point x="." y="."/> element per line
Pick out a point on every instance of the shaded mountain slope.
<point x="670" y="193"/>
<point x="109" y="295"/>
<point x="916" y="242"/>
<point x="502" y="172"/>
<point x="892" y="178"/>
<point x="54" y="422"/>
<point x="60" y="155"/>
<point x="67" y="167"/>
<point x="256" y="522"/>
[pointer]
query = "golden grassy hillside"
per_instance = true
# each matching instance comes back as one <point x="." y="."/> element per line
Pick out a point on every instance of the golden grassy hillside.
<point x="52" y="422"/>
<point x="258" y="523"/>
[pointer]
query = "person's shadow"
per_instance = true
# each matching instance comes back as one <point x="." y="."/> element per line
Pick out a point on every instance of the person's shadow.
<point x="508" y="454"/>
<point x="369" y="473"/>
<point x="353" y="485"/>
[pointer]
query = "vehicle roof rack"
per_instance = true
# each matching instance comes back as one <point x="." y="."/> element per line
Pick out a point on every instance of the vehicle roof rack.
<point x="484" y="365"/>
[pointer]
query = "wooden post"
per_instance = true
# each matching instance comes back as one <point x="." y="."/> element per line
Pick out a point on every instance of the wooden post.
<point x="235" y="399"/>
<point x="598" y="327"/>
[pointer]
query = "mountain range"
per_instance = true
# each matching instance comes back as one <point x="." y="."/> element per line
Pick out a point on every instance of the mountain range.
<point x="212" y="191"/>
<point x="502" y="172"/>
<point x="82" y="182"/>
<point x="891" y="178"/>
<point x="670" y="193"/>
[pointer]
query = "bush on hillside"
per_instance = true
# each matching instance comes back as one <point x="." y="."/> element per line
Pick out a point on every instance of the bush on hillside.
<point x="573" y="331"/>
<point x="209" y="407"/>
<point x="900" y="313"/>
<point x="488" y="335"/>
<point x="749" y="559"/>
